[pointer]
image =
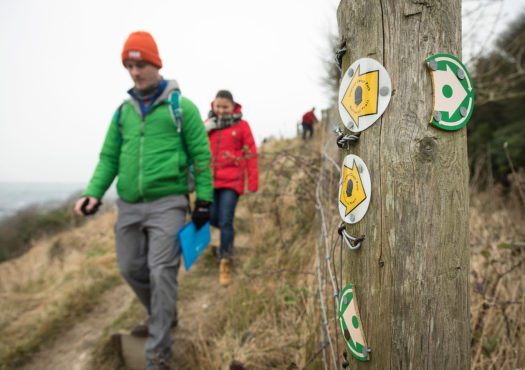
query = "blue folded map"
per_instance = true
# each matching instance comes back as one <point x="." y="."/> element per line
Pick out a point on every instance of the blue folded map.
<point x="193" y="242"/>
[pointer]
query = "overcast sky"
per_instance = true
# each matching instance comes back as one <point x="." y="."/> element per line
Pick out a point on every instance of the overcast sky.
<point x="61" y="77"/>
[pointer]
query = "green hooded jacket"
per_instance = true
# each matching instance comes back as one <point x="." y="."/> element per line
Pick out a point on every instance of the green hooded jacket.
<point x="150" y="157"/>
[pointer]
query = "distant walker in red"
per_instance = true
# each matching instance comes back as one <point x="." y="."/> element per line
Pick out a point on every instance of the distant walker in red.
<point x="309" y="119"/>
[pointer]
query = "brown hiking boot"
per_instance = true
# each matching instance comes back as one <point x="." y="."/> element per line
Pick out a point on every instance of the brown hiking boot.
<point x="225" y="276"/>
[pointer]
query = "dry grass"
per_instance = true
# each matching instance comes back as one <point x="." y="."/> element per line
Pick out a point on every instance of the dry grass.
<point x="497" y="236"/>
<point x="55" y="284"/>
<point x="264" y="319"/>
<point x="269" y="318"/>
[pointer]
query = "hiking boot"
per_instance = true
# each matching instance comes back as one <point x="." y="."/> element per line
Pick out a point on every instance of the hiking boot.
<point x="225" y="276"/>
<point x="158" y="363"/>
<point x="236" y="365"/>
<point x="141" y="329"/>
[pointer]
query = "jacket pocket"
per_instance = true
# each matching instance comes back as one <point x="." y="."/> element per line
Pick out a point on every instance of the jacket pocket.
<point x="165" y="168"/>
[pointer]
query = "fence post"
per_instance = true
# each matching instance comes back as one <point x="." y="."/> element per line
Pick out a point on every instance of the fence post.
<point x="411" y="275"/>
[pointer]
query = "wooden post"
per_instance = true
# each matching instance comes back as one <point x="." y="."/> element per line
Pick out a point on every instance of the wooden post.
<point x="411" y="274"/>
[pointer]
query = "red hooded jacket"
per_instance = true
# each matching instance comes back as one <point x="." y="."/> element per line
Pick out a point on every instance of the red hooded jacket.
<point x="234" y="155"/>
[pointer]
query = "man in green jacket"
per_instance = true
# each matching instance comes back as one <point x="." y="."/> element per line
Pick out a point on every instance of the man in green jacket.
<point x="151" y="153"/>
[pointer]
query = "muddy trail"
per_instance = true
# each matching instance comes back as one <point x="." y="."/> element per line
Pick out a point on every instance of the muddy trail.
<point x="73" y="349"/>
<point x="76" y="348"/>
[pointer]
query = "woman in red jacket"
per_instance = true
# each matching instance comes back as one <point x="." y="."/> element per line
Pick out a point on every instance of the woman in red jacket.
<point x="234" y="158"/>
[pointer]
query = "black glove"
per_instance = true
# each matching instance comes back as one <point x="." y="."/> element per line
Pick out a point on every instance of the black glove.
<point x="93" y="211"/>
<point x="201" y="213"/>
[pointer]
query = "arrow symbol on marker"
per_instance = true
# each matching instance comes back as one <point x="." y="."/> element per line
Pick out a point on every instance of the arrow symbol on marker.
<point x="352" y="191"/>
<point x="448" y="84"/>
<point x="360" y="98"/>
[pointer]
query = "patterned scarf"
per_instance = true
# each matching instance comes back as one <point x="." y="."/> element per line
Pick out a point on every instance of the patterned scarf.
<point x="218" y="123"/>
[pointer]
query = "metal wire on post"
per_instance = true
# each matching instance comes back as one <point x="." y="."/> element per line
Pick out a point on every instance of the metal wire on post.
<point x="344" y="238"/>
<point x="324" y="317"/>
<point x="345" y="141"/>
<point x="324" y="241"/>
<point x="324" y="235"/>
<point x="332" y="161"/>
<point x="339" y="54"/>
<point x="339" y="288"/>
<point x="352" y="242"/>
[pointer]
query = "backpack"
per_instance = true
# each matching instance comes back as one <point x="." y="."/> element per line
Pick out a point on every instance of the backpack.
<point x="175" y="100"/>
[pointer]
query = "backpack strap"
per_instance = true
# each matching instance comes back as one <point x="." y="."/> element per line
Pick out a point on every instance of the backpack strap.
<point x="175" y="99"/>
<point x="118" y="120"/>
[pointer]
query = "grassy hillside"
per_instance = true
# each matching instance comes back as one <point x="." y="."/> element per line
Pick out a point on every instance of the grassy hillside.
<point x="57" y="283"/>
<point x="62" y="300"/>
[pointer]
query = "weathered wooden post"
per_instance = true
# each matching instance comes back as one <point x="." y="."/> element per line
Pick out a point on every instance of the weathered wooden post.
<point x="411" y="274"/>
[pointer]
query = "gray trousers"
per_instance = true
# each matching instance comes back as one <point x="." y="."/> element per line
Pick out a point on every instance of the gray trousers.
<point x="148" y="255"/>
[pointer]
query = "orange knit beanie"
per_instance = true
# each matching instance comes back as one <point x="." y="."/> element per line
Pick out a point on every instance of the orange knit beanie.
<point x="140" y="45"/>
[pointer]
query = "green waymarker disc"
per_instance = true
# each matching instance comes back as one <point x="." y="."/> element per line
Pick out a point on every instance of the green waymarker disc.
<point x="351" y="326"/>
<point x="453" y="95"/>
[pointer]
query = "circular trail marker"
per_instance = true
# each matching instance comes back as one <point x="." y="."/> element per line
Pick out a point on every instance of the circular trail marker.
<point x="364" y="94"/>
<point x="355" y="189"/>
<point x="453" y="92"/>
<point x="351" y="326"/>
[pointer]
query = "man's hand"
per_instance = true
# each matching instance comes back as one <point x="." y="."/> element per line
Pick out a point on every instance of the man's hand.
<point x="87" y="206"/>
<point x="201" y="213"/>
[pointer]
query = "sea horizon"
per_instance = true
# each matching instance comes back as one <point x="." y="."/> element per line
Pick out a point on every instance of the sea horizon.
<point x="17" y="195"/>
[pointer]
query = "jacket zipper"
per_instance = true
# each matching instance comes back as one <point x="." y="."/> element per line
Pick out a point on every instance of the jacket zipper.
<point x="141" y="160"/>
<point x="158" y="102"/>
